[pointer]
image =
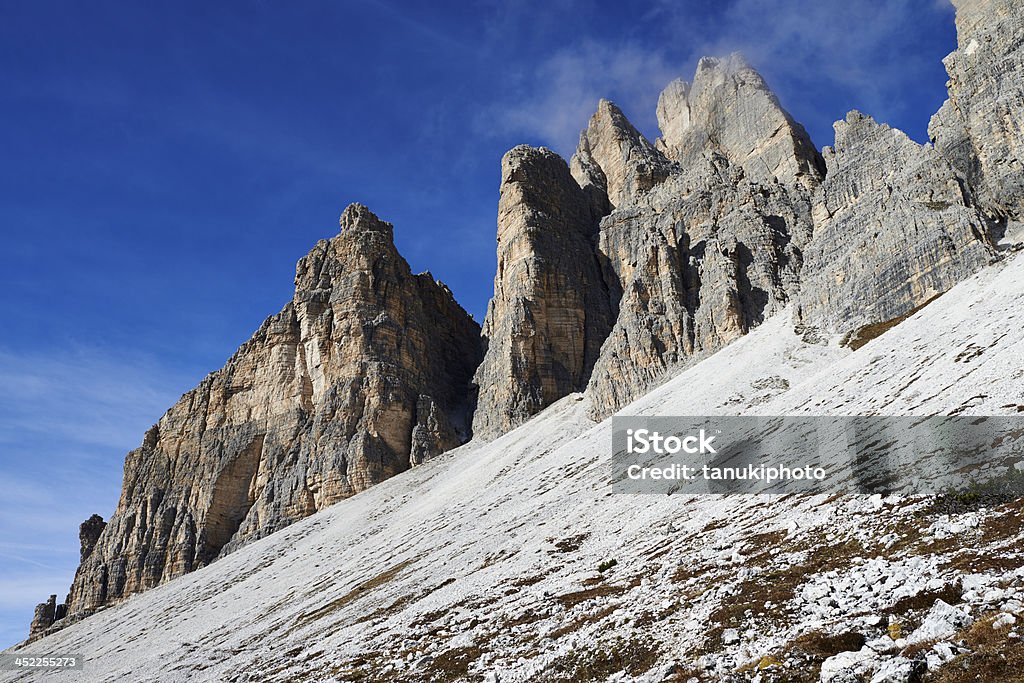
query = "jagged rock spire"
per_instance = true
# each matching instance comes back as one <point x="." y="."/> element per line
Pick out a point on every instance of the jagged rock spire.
<point x="358" y="218"/>
<point x="614" y="158"/>
<point x="729" y="109"/>
<point x="550" y="313"/>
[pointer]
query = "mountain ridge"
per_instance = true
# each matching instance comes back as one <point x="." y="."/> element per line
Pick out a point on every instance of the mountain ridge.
<point x="616" y="270"/>
<point x="488" y="554"/>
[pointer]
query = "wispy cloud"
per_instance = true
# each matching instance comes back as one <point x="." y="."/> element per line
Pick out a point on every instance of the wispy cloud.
<point x="85" y="395"/>
<point x="859" y="45"/>
<point x="555" y="102"/>
<point x="67" y="418"/>
<point x="857" y="49"/>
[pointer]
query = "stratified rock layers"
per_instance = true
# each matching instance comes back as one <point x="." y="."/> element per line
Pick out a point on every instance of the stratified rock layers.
<point x="363" y="373"/>
<point x="979" y="127"/>
<point x="896" y="226"/>
<point x="550" y="311"/>
<point x="730" y="111"/>
<point x="699" y="261"/>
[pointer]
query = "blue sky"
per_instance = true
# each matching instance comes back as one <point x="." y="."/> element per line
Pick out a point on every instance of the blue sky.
<point x="163" y="166"/>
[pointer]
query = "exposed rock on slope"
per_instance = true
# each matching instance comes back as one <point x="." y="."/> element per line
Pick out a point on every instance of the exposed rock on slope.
<point x="550" y="311"/>
<point x="46" y="613"/>
<point x="979" y="127"/>
<point x="699" y="261"/>
<point x="897" y="226"/>
<point x="482" y="565"/>
<point x="365" y="372"/>
<point x="729" y="110"/>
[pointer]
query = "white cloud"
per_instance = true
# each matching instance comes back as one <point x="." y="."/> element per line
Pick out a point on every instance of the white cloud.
<point x="555" y="102"/>
<point x="861" y="44"/>
<point x="67" y="418"/>
<point x="84" y="395"/>
<point x="860" y="47"/>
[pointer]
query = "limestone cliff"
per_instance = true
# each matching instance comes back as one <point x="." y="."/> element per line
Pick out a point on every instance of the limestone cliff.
<point x="896" y="226"/>
<point x="979" y="127"/>
<point x="714" y="246"/>
<point x="699" y="261"/>
<point x="732" y="215"/>
<point x="550" y="311"/>
<point x="365" y="372"/>
<point x="728" y="109"/>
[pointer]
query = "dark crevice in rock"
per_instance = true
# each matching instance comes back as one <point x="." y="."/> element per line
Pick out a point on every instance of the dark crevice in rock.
<point x="232" y="497"/>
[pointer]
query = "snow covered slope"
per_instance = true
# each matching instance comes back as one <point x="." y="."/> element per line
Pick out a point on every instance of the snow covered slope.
<point x="484" y="563"/>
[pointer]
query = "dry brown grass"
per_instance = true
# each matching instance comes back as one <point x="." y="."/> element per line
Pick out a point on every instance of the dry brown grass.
<point x="357" y="592"/>
<point x="859" y="338"/>
<point x="776" y="586"/>
<point x="576" y="597"/>
<point x="994" y="658"/>
<point x="597" y="663"/>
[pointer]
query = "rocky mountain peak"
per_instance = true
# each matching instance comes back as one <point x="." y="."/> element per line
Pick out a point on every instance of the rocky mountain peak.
<point x="358" y="218"/>
<point x="674" y="111"/>
<point x="550" y="312"/>
<point x="364" y="374"/>
<point x="729" y="109"/>
<point x="88" y="533"/>
<point x="614" y="158"/>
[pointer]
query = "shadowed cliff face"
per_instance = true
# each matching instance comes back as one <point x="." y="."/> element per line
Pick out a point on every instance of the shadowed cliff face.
<point x="364" y="373"/>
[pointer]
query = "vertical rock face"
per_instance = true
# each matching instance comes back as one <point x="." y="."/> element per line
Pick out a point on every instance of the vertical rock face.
<point x="729" y="110"/>
<point x="979" y="127"/>
<point x="614" y="159"/>
<point x="365" y="372"/>
<point x="88" y="533"/>
<point x="896" y="226"/>
<point x="550" y="310"/>
<point x="45" y="615"/>
<point x="700" y="260"/>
